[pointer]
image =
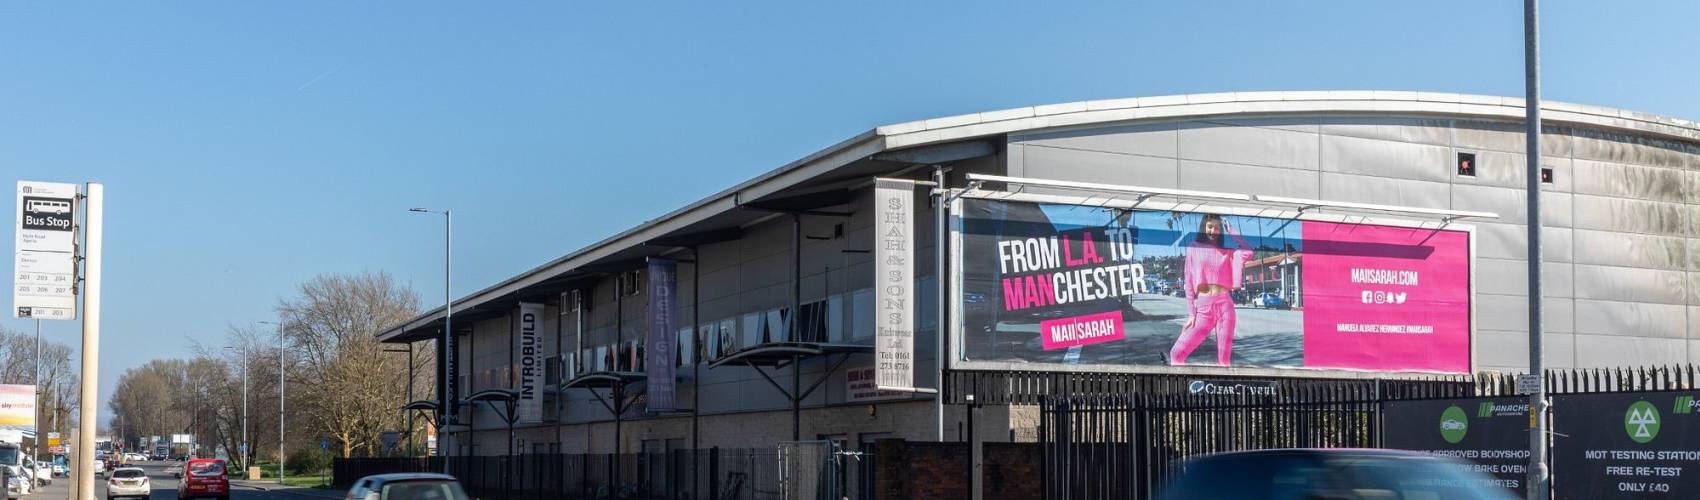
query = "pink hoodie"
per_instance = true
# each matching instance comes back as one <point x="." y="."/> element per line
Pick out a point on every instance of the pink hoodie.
<point x="1213" y="265"/>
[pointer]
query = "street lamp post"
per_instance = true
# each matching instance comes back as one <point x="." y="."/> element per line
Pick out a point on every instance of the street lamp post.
<point x="243" y="449"/>
<point x="280" y="455"/>
<point x="445" y="406"/>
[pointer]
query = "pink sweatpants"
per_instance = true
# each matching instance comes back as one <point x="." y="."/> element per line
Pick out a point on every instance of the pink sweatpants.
<point x="1209" y="312"/>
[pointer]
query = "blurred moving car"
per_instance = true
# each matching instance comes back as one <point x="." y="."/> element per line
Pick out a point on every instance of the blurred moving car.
<point x="203" y="478"/>
<point x="14" y="484"/>
<point x="1269" y="301"/>
<point x="100" y="468"/>
<point x="128" y="482"/>
<point x="1330" y="474"/>
<point x="406" y="486"/>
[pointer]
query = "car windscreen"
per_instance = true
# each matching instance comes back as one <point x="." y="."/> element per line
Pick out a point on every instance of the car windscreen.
<point x="129" y="473"/>
<point x="425" y="489"/>
<point x="207" y="468"/>
<point x="8" y="455"/>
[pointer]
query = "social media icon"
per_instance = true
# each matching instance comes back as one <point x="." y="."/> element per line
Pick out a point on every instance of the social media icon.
<point x="1399" y="298"/>
<point x="1381" y="297"/>
<point x="1368" y="297"/>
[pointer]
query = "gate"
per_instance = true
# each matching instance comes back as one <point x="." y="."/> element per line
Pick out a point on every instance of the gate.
<point x="1116" y="446"/>
<point x="808" y="470"/>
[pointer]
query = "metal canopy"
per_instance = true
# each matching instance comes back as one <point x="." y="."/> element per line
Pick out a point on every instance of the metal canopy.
<point x="604" y="380"/>
<point x="777" y="354"/>
<point x="422" y="405"/>
<point x="1141" y="193"/>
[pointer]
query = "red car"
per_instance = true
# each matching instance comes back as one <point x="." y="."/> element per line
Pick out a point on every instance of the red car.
<point x="203" y="478"/>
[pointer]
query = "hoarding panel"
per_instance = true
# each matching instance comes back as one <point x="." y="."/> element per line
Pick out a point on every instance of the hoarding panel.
<point x="1493" y="433"/>
<point x="1626" y="445"/>
<point x="1062" y="284"/>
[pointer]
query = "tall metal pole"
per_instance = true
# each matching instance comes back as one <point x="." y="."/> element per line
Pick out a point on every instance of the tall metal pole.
<point x="280" y="455"/>
<point x="446" y="407"/>
<point x="36" y="453"/>
<point x="244" y="448"/>
<point x="90" y="375"/>
<point x="1538" y="477"/>
<point x="940" y="218"/>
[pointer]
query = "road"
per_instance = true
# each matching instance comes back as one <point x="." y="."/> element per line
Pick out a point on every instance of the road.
<point x="165" y="487"/>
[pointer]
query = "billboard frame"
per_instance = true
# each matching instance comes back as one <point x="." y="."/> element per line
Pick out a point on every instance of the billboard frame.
<point x="955" y="303"/>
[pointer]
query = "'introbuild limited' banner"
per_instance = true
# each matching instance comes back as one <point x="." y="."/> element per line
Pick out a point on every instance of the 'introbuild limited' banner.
<point x="1073" y="284"/>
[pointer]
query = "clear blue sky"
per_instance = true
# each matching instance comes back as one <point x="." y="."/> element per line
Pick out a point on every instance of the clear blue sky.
<point x="247" y="146"/>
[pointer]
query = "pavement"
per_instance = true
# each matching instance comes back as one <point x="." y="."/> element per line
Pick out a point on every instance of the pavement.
<point x="165" y="487"/>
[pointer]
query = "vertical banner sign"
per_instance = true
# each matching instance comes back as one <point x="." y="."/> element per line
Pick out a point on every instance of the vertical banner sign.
<point x="894" y="284"/>
<point x="663" y="286"/>
<point x="530" y="359"/>
<point x="44" y="279"/>
<point x="1626" y="445"/>
<point x="1489" y="432"/>
<point x="448" y="384"/>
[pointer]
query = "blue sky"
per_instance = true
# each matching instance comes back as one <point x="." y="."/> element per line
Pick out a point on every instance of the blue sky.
<point x="247" y="146"/>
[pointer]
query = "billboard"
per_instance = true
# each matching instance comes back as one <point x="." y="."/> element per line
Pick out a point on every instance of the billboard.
<point x="1626" y="445"/>
<point x="1492" y="433"/>
<point x="1065" y="284"/>
<point x="17" y="409"/>
<point x="894" y="287"/>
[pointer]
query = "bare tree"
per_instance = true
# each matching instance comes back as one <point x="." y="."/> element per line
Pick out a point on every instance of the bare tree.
<point x="347" y="382"/>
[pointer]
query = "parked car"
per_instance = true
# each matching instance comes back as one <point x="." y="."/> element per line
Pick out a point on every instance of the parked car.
<point x="1268" y="301"/>
<point x="128" y="482"/>
<point x="16" y="473"/>
<point x="406" y="486"/>
<point x="14" y="484"/>
<point x="1333" y="474"/>
<point x="40" y="471"/>
<point x="203" y="478"/>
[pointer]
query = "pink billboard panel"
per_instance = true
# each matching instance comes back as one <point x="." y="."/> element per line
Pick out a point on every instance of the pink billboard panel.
<point x="1386" y="298"/>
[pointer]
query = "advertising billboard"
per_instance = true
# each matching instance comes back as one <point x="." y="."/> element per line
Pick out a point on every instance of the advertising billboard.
<point x="1492" y="433"/>
<point x="17" y="412"/>
<point x="1065" y="284"/>
<point x="1626" y="445"/>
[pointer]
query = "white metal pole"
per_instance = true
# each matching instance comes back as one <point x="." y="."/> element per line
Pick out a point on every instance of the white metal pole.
<point x="280" y="456"/>
<point x="244" y="449"/>
<point x="448" y="330"/>
<point x="94" y="212"/>
<point x="1538" y="488"/>
<point x="36" y="453"/>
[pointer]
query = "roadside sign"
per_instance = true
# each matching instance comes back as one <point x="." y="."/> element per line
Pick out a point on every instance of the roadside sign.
<point x="44" y="273"/>
<point x="1527" y="384"/>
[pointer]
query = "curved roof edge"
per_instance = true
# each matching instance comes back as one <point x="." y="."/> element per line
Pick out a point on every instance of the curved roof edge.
<point x="1316" y="101"/>
<point x="960" y="127"/>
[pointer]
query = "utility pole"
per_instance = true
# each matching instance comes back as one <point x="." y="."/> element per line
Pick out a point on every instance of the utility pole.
<point x="1538" y="477"/>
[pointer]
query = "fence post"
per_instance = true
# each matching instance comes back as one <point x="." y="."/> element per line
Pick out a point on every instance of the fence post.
<point x="714" y="473"/>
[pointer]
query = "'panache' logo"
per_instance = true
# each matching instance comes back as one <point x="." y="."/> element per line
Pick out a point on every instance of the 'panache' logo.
<point x="1454" y="424"/>
<point x="1486" y="410"/>
<point x="1641" y="422"/>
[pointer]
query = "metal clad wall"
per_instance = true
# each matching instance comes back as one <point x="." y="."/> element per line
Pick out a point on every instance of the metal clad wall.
<point x="1622" y="241"/>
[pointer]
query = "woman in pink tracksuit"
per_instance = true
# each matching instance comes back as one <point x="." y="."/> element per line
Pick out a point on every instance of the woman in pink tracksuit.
<point x="1212" y="273"/>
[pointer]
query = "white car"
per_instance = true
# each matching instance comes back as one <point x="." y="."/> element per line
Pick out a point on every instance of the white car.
<point x="128" y="482"/>
<point x="99" y="468"/>
<point x="22" y="480"/>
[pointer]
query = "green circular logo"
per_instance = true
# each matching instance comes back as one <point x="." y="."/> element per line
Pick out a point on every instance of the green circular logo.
<point x="1453" y="424"/>
<point x="1641" y="422"/>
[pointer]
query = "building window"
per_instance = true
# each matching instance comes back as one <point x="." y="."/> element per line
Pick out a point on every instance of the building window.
<point x="1546" y="175"/>
<point x="1467" y="164"/>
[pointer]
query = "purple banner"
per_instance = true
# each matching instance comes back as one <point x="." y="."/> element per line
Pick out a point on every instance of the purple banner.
<point x="662" y="339"/>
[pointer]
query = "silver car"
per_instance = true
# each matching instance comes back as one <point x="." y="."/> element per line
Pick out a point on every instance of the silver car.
<point x="406" y="486"/>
